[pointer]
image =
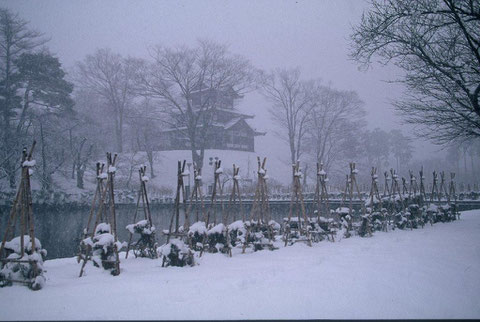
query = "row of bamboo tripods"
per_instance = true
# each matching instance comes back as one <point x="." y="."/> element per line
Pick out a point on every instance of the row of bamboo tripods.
<point x="297" y="226"/>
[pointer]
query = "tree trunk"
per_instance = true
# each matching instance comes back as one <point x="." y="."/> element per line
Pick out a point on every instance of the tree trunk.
<point x="45" y="175"/>
<point x="80" y="173"/>
<point x="150" y="162"/>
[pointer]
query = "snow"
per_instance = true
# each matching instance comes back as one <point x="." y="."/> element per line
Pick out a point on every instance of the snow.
<point x="15" y="244"/>
<point x="102" y="227"/>
<point x="219" y="170"/>
<point x="142" y="225"/>
<point x="103" y="175"/>
<point x="429" y="273"/>
<point x="30" y="163"/>
<point x="198" y="227"/>
<point x="322" y="172"/>
<point x="218" y="229"/>
<point x="237" y="225"/>
<point x="145" y="178"/>
<point x="112" y="169"/>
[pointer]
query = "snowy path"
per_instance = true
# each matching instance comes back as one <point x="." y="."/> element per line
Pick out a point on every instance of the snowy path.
<point x="425" y="273"/>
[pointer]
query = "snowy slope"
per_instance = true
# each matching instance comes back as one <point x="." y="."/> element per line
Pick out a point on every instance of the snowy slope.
<point x="426" y="273"/>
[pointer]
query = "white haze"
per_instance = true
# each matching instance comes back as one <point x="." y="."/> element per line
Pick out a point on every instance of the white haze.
<point x="272" y="34"/>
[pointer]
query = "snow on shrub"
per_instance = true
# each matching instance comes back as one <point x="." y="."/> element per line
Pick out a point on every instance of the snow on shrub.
<point x="24" y="271"/>
<point x="238" y="232"/>
<point x="261" y="235"/>
<point x="217" y="239"/>
<point x="176" y="253"/>
<point x="196" y="234"/>
<point x="146" y="246"/>
<point x="401" y="219"/>
<point x="103" y="243"/>
<point x="366" y="226"/>
<point x="345" y="220"/>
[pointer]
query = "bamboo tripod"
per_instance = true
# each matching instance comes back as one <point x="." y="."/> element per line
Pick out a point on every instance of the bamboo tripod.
<point x="302" y="228"/>
<point x="374" y="193"/>
<point x="196" y="195"/>
<point x="412" y="190"/>
<point x="232" y="203"/>
<point x="96" y="204"/>
<point x="386" y="188"/>
<point x="443" y="188"/>
<point x="260" y="214"/>
<point x="217" y="186"/>
<point x="217" y="171"/>
<point x="351" y="183"/>
<point x="423" y="195"/>
<point x="395" y="189"/>
<point x="107" y="197"/>
<point x="321" y="200"/>
<point x="146" y="248"/>
<point x="452" y="192"/>
<point x="180" y="197"/>
<point x="235" y="196"/>
<point x="22" y="210"/>
<point x="404" y="186"/>
<point x="435" y="191"/>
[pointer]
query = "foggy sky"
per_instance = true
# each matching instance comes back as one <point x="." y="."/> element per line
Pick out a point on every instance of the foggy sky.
<point x="272" y="34"/>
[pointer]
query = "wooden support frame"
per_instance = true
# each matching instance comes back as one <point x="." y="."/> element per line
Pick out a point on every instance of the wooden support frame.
<point x="144" y="204"/>
<point x="180" y="202"/>
<point x="374" y="193"/>
<point x="260" y="213"/>
<point x="22" y="210"/>
<point x="212" y="212"/>
<point x="107" y="197"/>
<point x="322" y="202"/>
<point x="97" y="198"/>
<point x="298" y="203"/>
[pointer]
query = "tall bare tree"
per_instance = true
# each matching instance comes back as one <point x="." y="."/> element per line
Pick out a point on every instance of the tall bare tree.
<point x="437" y="44"/>
<point x="337" y="118"/>
<point x="402" y="149"/>
<point x="111" y="77"/>
<point x="292" y="100"/>
<point x="177" y="73"/>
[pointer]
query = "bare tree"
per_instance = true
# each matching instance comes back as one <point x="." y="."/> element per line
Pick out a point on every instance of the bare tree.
<point x="401" y="147"/>
<point x="437" y="44"/>
<point x="377" y="148"/>
<point x="144" y="127"/>
<point x="292" y="100"/>
<point x="176" y="74"/>
<point x="111" y="77"/>
<point x="334" y="121"/>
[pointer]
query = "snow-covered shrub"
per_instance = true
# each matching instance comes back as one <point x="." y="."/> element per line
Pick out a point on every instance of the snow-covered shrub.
<point x="345" y="220"/>
<point x="176" y="253"/>
<point x="401" y="219"/>
<point x="103" y="245"/>
<point x="32" y="272"/>
<point x="217" y="239"/>
<point x="237" y="233"/>
<point x="379" y="220"/>
<point x="196" y="234"/>
<point x="261" y="235"/>
<point x="146" y="246"/>
<point x="415" y="219"/>
<point x="365" y="228"/>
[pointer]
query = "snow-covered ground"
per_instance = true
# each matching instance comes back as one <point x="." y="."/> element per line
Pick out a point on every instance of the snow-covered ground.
<point x="426" y="273"/>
